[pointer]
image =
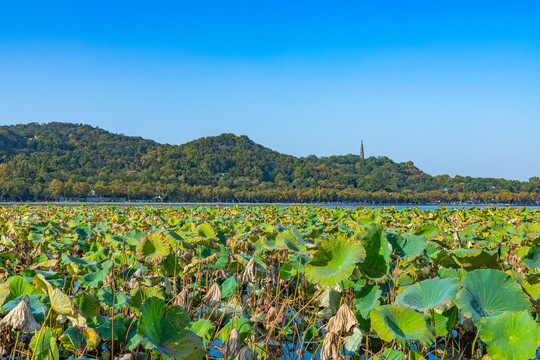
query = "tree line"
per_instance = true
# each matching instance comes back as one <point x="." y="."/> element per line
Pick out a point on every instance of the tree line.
<point x="58" y="160"/>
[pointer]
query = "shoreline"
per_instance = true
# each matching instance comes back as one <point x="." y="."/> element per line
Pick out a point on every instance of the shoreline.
<point x="229" y="204"/>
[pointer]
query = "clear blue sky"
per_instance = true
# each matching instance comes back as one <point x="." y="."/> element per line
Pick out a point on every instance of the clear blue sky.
<point x="453" y="86"/>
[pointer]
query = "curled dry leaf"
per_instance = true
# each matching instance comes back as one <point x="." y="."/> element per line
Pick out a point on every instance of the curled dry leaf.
<point x="272" y="276"/>
<point x="329" y="347"/>
<point x="131" y="284"/>
<point x="182" y="299"/>
<point x="232" y="348"/>
<point x="213" y="297"/>
<point x="275" y="348"/>
<point x="272" y="317"/>
<point x="136" y="275"/>
<point x="343" y="322"/>
<point x="244" y="354"/>
<point x="21" y="319"/>
<point x="249" y="272"/>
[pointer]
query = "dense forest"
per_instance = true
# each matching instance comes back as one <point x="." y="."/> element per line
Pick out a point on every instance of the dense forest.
<point x="59" y="161"/>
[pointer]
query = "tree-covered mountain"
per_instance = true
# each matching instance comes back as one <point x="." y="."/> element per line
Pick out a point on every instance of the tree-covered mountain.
<point x="39" y="162"/>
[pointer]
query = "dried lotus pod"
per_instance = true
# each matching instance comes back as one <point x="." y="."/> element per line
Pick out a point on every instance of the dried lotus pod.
<point x="329" y="347"/>
<point x="343" y="322"/>
<point x="249" y="273"/>
<point x="232" y="348"/>
<point x="213" y="297"/>
<point x="182" y="299"/>
<point x="244" y="354"/>
<point x="21" y="319"/>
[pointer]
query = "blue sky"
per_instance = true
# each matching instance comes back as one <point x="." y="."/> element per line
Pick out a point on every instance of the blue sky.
<point x="453" y="86"/>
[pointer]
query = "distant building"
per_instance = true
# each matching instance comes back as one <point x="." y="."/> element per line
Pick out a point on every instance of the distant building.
<point x="362" y="150"/>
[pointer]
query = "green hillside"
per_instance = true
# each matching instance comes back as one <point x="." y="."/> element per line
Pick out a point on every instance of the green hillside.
<point x="45" y="162"/>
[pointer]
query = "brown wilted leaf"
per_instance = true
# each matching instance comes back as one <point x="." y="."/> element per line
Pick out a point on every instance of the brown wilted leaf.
<point x="182" y="299"/>
<point x="272" y="317"/>
<point x="244" y="354"/>
<point x="213" y="297"/>
<point x="272" y="276"/>
<point x="232" y="348"/>
<point x="275" y="348"/>
<point x="21" y="319"/>
<point x="329" y="347"/>
<point x="136" y="275"/>
<point x="343" y="322"/>
<point x="249" y="273"/>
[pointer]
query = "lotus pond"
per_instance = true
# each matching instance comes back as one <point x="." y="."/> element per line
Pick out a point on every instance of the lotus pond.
<point x="268" y="283"/>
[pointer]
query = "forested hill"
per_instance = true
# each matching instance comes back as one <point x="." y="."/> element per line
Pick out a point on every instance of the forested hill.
<point x="39" y="162"/>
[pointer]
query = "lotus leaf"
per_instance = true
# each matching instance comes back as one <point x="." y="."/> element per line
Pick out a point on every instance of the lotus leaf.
<point x="112" y="298"/>
<point x="377" y="253"/>
<point x="429" y="294"/>
<point x="511" y="336"/>
<point x="401" y="324"/>
<point x="334" y="261"/>
<point x="154" y="247"/>
<point x="487" y="293"/>
<point x="44" y="345"/>
<point x="407" y="246"/>
<point x="163" y="328"/>
<point x="467" y="259"/>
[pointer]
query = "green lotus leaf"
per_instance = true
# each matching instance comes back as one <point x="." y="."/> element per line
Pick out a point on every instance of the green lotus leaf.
<point x="334" y="261"/>
<point x="95" y="279"/>
<point x="163" y="328"/>
<point x="222" y="260"/>
<point x="487" y="293"/>
<point x="532" y="258"/>
<point x="113" y="328"/>
<point x="389" y="354"/>
<point x="44" y="345"/>
<point x="354" y="341"/>
<point x="408" y="246"/>
<point x="429" y="294"/>
<point x="229" y="287"/>
<point x="366" y="299"/>
<point x="116" y="299"/>
<point x="143" y="292"/>
<point x="427" y="230"/>
<point x="511" y="336"/>
<point x="71" y="339"/>
<point x="290" y="240"/>
<point x="18" y="287"/>
<point x="467" y="259"/>
<point x="377" y="253"/>
<point x="154" y="247"/>
<point x="84" y="233"/>
<point x="203" y="328"/>
<point x="446" y="322"/>
<point x="87" y="304"/>
<point x="403" y="325"/>
<point x="4" y="292"/>
<point x="60" y="302"/>
<point x="80" y="262"/>
<point x="206" y="230"/>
